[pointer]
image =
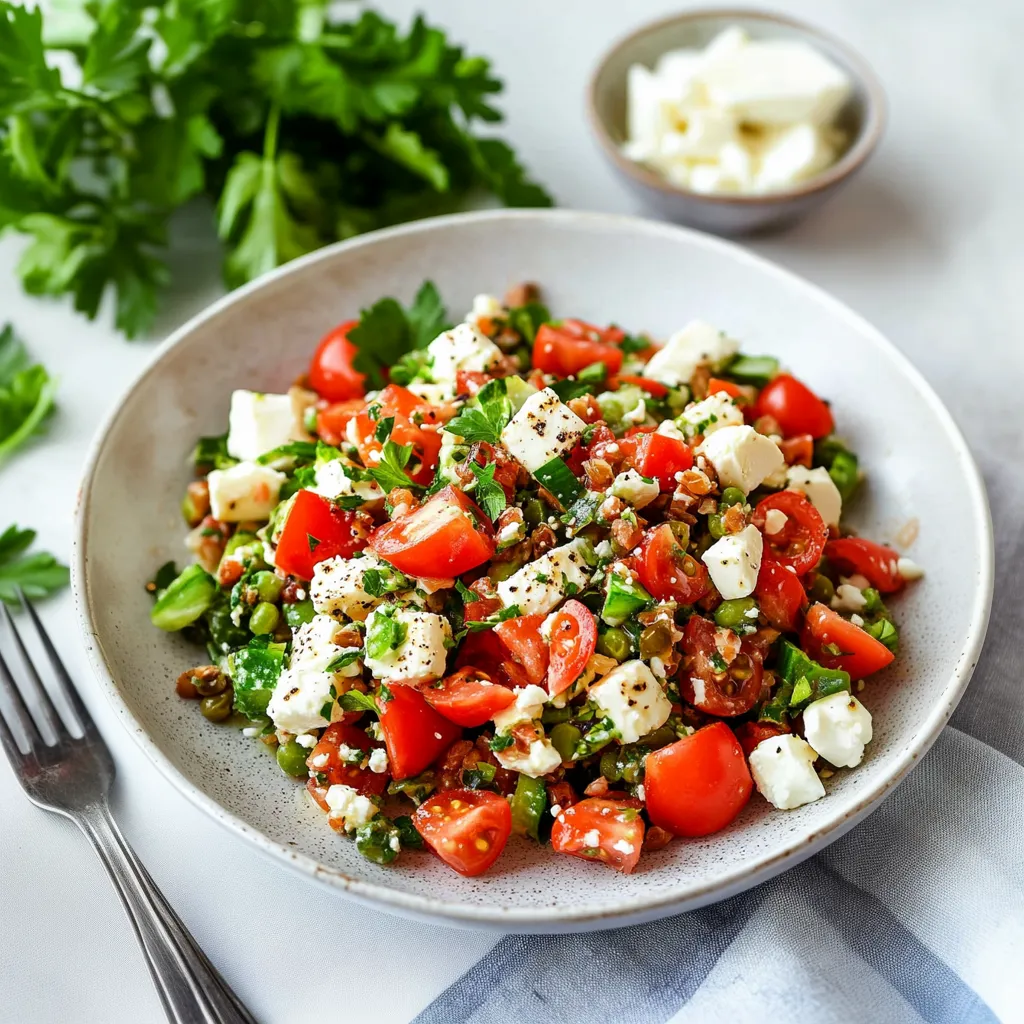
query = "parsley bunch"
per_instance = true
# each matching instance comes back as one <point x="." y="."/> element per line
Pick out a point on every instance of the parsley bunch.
<point x="26" y="394"/>
<point x="36" y="574"/>
<point x="300" y="127"/>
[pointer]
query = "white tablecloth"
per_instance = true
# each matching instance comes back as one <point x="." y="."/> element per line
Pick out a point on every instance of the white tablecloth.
<point x="927" y="245"/>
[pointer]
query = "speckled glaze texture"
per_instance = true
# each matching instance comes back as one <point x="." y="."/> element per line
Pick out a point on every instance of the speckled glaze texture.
<point x="602" y="268"/>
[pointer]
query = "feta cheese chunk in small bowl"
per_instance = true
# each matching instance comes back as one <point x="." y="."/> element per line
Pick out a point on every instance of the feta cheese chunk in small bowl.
<point x="735" y="121"/>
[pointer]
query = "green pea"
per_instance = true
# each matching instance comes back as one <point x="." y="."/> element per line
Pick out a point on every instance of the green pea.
<point x="715" y="527"/>
<point x="264" y="618"/>
<point x="614" y="643"/>
<point x="217" y="708"/>
<point x="564" y="738"/>
<point x="733" y="614"/>
<point x="299" y="613"/>
<point x="610" y="766"/>
<point x="292" y="759"/>
<point x="821" y="589"/>
<point x="732" y="496"/>
<point x="268" y="585"/>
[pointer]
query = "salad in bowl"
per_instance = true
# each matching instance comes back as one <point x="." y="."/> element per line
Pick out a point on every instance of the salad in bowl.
<point x="528" y="575"/>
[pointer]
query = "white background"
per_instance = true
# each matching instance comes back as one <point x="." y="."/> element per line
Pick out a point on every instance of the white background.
<point x="926" y="243"/>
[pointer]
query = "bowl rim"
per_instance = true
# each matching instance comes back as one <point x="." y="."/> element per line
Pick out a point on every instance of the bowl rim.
<point x="848" y="164"/>
<point x="740" y="876"/>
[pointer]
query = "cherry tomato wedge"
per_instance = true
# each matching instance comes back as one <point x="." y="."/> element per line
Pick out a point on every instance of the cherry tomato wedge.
<point x="876" y="562"/>
<point x="316" y="530"/>
<point x="608" y="831"/>
<point x="795" y="407"/>
<point x="325" y="759"/>
<point x="416" y="423"/>
<point x="718" y="683"/>
<point x="801" y="541"/>
<point x="751" y="733"/>
<point x="573" y="640"/>
<point x="466" y="828"/>
<point x="469" y="697"/>
<point x="414" y="733"/>
<point x="798" y="451"/>
<point x="445" y="537"/>
<point x="698" y="784"/>
<point x="667" y="571"/>
<point x="332" y="421"/>
<point x="484" y="650"/>
<point x="331" y="373"/>
<point x="780" y="595"/>
<point x="522" y="639"/>
<point x="571" y="347"/>
<point x="654" y="388"/>
<point x="659" y="457"/>
<point x="826" y="632"/>
<point x="716" y="385"/>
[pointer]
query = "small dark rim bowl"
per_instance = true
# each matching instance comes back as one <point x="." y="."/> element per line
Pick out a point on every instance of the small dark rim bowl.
<point x="863" y="146"/>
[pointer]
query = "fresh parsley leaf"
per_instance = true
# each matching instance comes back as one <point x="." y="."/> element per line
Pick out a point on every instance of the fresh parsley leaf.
<point x="37" y="575"/>
<point x="383" y="429"/>
<point x="26" y="394"/>
<point x="489" y="495"/>
<point x="390" y="471"/>
<point x="501" y="741"/>
<point x="378" y="582"/>
<point x="385" y="634"/>
<point x="427" y="316"/>
<point x="486" y="416"/>
<point x="300" y="451"/>
<point x="353" y="700"/>
<point x="526" y="320"/>
<point x="212" y="453"/>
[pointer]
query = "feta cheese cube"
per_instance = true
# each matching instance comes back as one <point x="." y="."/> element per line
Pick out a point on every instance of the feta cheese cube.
<point x="542" y="759"/>
<point x="244" y="491"/>
<point x="259" y="422"/>
<point x="634" y="488"/>
<point x="542" y="430"/>
<point x="542" y="584"/>
<point x="838" y="728"/>
<point x="632" y="698"/>
<point x="423" y="652"/>
<point x="331" y="481"/>
<point x="707" y="131"/>
<point x="775" y="521"/>
<point x="461" y="348"/>
<point x="696" y="343"/>
<point x="741" y="456"/>
<point x="734" y="562"/>
<point x="529" y="705"/>
<point x="716" y="411"/>
<point x="301" y="693"/>
<point x="337" y="587"/>
<point x="820" y="490"/>
<point x="792" y="155"/>
<point x="783" y="771"/>
<point x="649" y="111"/>
<point x="349" y="806"/>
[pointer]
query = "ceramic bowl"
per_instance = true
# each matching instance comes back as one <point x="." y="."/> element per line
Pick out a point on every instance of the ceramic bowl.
<point x="603" y="268"/>
<point x="862" y="118"/>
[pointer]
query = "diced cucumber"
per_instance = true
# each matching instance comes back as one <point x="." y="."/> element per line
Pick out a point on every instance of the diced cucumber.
<point x="558" y="478"/>
<point x="518" y="391"/>
<point x="757" y="370"/>
<point x="528" y="804"/>
<point x="624" y="597"/>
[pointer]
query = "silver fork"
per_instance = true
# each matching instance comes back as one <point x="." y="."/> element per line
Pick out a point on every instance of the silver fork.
<point x="72" y="777"/>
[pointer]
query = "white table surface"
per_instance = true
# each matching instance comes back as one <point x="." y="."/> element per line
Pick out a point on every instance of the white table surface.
<point x="926" y="244"/>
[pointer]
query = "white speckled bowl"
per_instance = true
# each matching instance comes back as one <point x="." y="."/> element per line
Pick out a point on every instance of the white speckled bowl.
<point x="602" y="268"/>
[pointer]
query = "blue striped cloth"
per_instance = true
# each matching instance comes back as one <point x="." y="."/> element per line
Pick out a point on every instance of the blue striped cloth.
<point x="917" y="914"/>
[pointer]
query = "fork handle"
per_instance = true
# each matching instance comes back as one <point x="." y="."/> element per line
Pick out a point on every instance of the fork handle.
<point x="191" y="990"/>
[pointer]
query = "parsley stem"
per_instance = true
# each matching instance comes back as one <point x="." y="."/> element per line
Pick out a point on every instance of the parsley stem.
<point x="270" y="134"/>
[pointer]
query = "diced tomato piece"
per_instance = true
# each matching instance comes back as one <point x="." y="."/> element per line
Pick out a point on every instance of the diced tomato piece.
<point x="521" y="637"/>
<point x="466" y="828"/>
<point x="332" y="420"/>
<point x="668" y="571"/>
<point x="325" y="759"/>
<point x="780" y="594"/>
<point x="617" y="828"/>
<point x="716" y="385"/>
<point x="573" y="641"/>
<point x="469" y="697"/>
<point x="795" y="407"/>
<point x="877" y="563"/>
<point x="751" y="733"/>
<point x="414" y="733"/>
<point x="653" y="387"/>
<point x="660" y="457"/>
<point x="331" y="373"/>
<point x="445" y="537"/>
<point x="316" y="530"/>
<point x="799" y="450"/>
<point x="801" y="541"/>
<point x="416" y="423"/>
<point x="728" y="691"/>
<point x="485" y="650"/>
<point x="826" y="632"/>
<point x="697" y="785"/>
<point x="567" y="349"/>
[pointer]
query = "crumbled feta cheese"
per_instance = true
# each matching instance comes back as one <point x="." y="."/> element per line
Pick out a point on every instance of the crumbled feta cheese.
<point x="542" y="584"/>
<point x="716" y="411"/>
<point x="820" y="490"/>
<point x="848" y="598"/>
<point x="331" y="481"/>
<point x="909" y="569"/>
<point x="486" y="307"/>
<point x="337" y="587"/>
<point x="529" y="705"/>
<point x="301" y="693"/>
<point x="244" y="491"/>
<point x="696" y="343"/>
<point x="734" y="562"/>
<point x="306" y="739"/>
<point x="634" y="488"/>
<point x="348" y="806"/>
<point x="461" y="348"/>
<point x="637" y="414"/>
<point x="259" y="422"/>
<point x="543" y="429"/>
<point x="632" y="698"/>
<point x="511" y="534"/>
<point x="592" y="838"/>
<point x="741" y="456"/>
<point x="783" y="771"/>
<point x="378" y="761"/>
<point x="542" y="759"/>
<point x="421" y="655"/>
<point x="774" y="521"/>
<point x="667" y="428"/>
<point x="838" y="727"/>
